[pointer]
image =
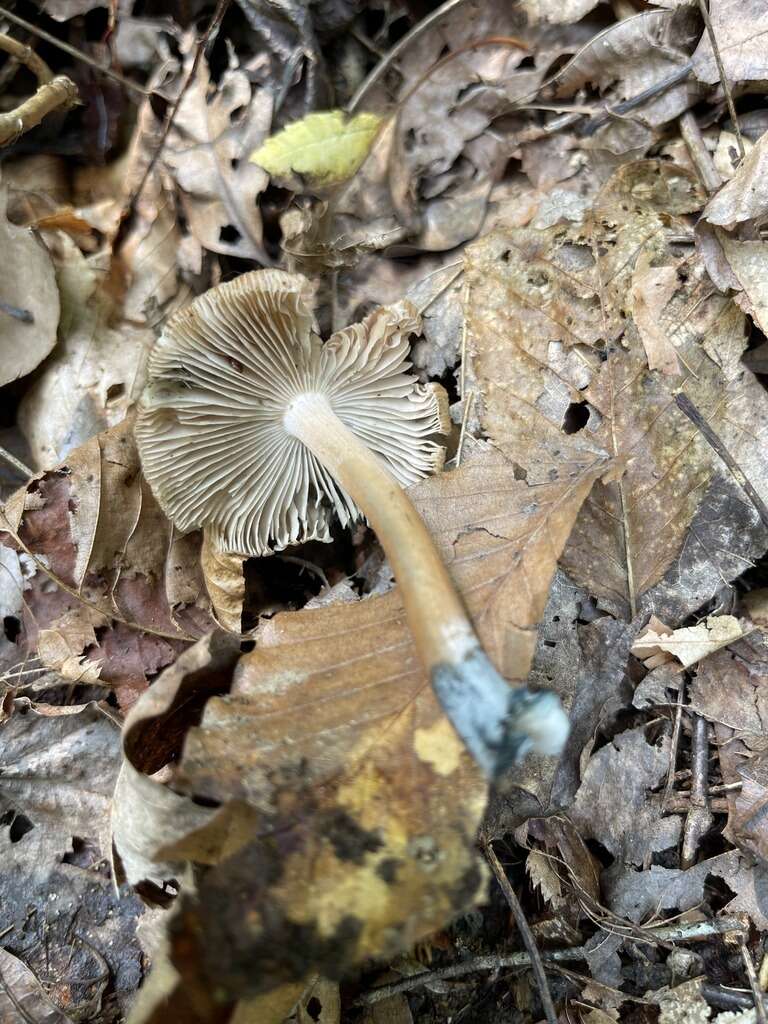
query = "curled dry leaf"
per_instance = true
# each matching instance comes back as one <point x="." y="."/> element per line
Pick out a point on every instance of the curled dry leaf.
<point x="28" y="289"/>
<point x="745" y="196"/>
<point x="557" y="355"/>
<point x="350" y="805"/>
<point x="690" y="643"/>
<point x="130" y="594"/>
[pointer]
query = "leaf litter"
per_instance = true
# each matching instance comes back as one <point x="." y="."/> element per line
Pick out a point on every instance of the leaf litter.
<point x="563" y="193"/>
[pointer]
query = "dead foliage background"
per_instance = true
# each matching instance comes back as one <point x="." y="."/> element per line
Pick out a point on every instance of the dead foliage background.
<point x="227" y="793"/>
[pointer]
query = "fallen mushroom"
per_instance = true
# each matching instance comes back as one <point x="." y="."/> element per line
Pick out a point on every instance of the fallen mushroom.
<point x="253" y="429"/>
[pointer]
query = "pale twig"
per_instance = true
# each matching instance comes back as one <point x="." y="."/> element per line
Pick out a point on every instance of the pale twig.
<point x="702" y="158"/>
<point x="525" y="931"/>
<point x="468" y="403"/>
<point x="72" y="51"/>
<point x="721" y="71"/>
<point x="58" y="94"/>
<point x="26" y="55"/>
<point x="16" y="463"/>
<point x="668" y="788"/>
<point x="666" y="933"/>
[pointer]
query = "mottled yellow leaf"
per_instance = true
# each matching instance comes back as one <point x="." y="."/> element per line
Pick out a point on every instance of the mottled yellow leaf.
<point x="325" y="146"/>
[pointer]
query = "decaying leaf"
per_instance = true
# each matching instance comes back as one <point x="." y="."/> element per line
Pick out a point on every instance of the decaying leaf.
<point x="745" y="196"/>
<point x="325" y="147"/>
<point x="557" y="355"/>
<point x="614" y="804"/>
<point x="28" y="289"/>
<point x="207" y="151"/>
<point x="130" y="596"/>
<point x="690" y="643"/>
<point x="730" y="688"/>
<point x="59" y="773"/>
<point x="22" y="996"/>
<point x="739" y="27"/>
<point x="337" y="838"/>
<point x="652" y="288"/>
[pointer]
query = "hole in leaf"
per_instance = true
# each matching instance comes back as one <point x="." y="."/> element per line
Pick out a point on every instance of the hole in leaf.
<point x="19" y="827"/>
<point x="229" y="233"/>
<point x="11" y="628"/>
<point x="576" y="417"/>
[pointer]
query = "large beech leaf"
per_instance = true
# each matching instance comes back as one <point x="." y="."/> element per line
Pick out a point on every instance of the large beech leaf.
<point x="349" y="805"/>
<point x="556" y="353"/>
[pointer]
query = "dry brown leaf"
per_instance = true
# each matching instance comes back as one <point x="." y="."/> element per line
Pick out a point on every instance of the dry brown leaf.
<point x="748" y="263"/>
<point x="330" y="738"/>
<point x="214" y="132"/>
<point x="624" y="60"/>
<point x="690" y="644"/>
<point x="22" y="997"/>
<point x="59" y="771"/>
<point x="740" y="27"/>
<point x="93" y="526"/>
<point x="730" y="688"/>
<point x="745" y="196"/>
<point x="28" y="285"/>
<point x="614" y="804"/>
<point x="557" y="356"/>
<point x="652" y="288"/>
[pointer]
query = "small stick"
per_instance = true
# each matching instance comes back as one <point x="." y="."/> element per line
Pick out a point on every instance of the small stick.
<point x="468" y="402"/>
<point x="669" y="933"/>
<point x="59" y="93"/>
<point x="757" y="994"/>
<point x="686" y="405"/>
<point x="72" y="51"/>
<point x="702" y="159"/>
<point x="699" y="817"/>
<point x="525" y="931"/>
<point x="727" y="999"/>
<point x="16" y="463"/>
<point x="673" y="747"/>
<point x="26" y="56"/>
<point x="721" y="71"/>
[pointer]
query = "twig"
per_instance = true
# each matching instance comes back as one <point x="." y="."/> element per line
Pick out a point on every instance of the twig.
<point x="213" y="25"/>
<point x="728" y="999"/>
<point x="757" y="994"/>
<point x="72" y="51"/>
<point x="59" y="93"/>
<point x="16" y="463"/>
<point x="26" y="55"/>
<point x="670" y="784"/>
<point x="721" y="71"/>
<point x="666" y="933"/>
<point x="525" y="931"/>
<point x="468" y="403"/>
<point x="686" y="405"/>
<point x="699" y="817"/>
<point x="400" y="46"/>
<point x="702" y="159"/>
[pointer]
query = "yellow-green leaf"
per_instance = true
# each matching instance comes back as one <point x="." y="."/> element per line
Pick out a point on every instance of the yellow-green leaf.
<point x="325" y="147"/>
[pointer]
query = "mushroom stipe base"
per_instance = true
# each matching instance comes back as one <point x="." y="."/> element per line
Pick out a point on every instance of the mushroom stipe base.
<point x="499" y="724"/>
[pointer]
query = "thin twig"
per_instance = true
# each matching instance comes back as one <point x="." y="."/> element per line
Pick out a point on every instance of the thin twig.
<point x="525" y="931"/>
<point x="400" y="46"/>
<point x="666" y="933"/>
<point x="26" y="55"/>
<point x="72" y="51"/>
<point x="58" y="94"/>
<point x="721" y="71"/>
<point x="16" y="463"/>
<point x="468" y="403"/>
<point x="728" y="999"/>
<point x="213" y="25"/>
<point x="702" y="158"/>
<point x="669" y="787"/>
<point x="754" y="984"/>
<point x="698" y="820"/>
<point x="686" y="405"/>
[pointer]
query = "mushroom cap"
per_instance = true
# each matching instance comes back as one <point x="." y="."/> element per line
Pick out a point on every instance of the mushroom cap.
<point x="210" y="422"/>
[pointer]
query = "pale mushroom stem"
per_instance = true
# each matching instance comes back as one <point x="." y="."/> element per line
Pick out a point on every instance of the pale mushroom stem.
<point x="497" y="722"/>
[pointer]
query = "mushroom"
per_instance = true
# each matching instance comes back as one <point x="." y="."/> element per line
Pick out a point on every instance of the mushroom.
<point x="253" y="429"/>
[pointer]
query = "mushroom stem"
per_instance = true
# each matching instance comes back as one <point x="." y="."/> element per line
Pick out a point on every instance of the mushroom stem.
<point x="497" y="722"/>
